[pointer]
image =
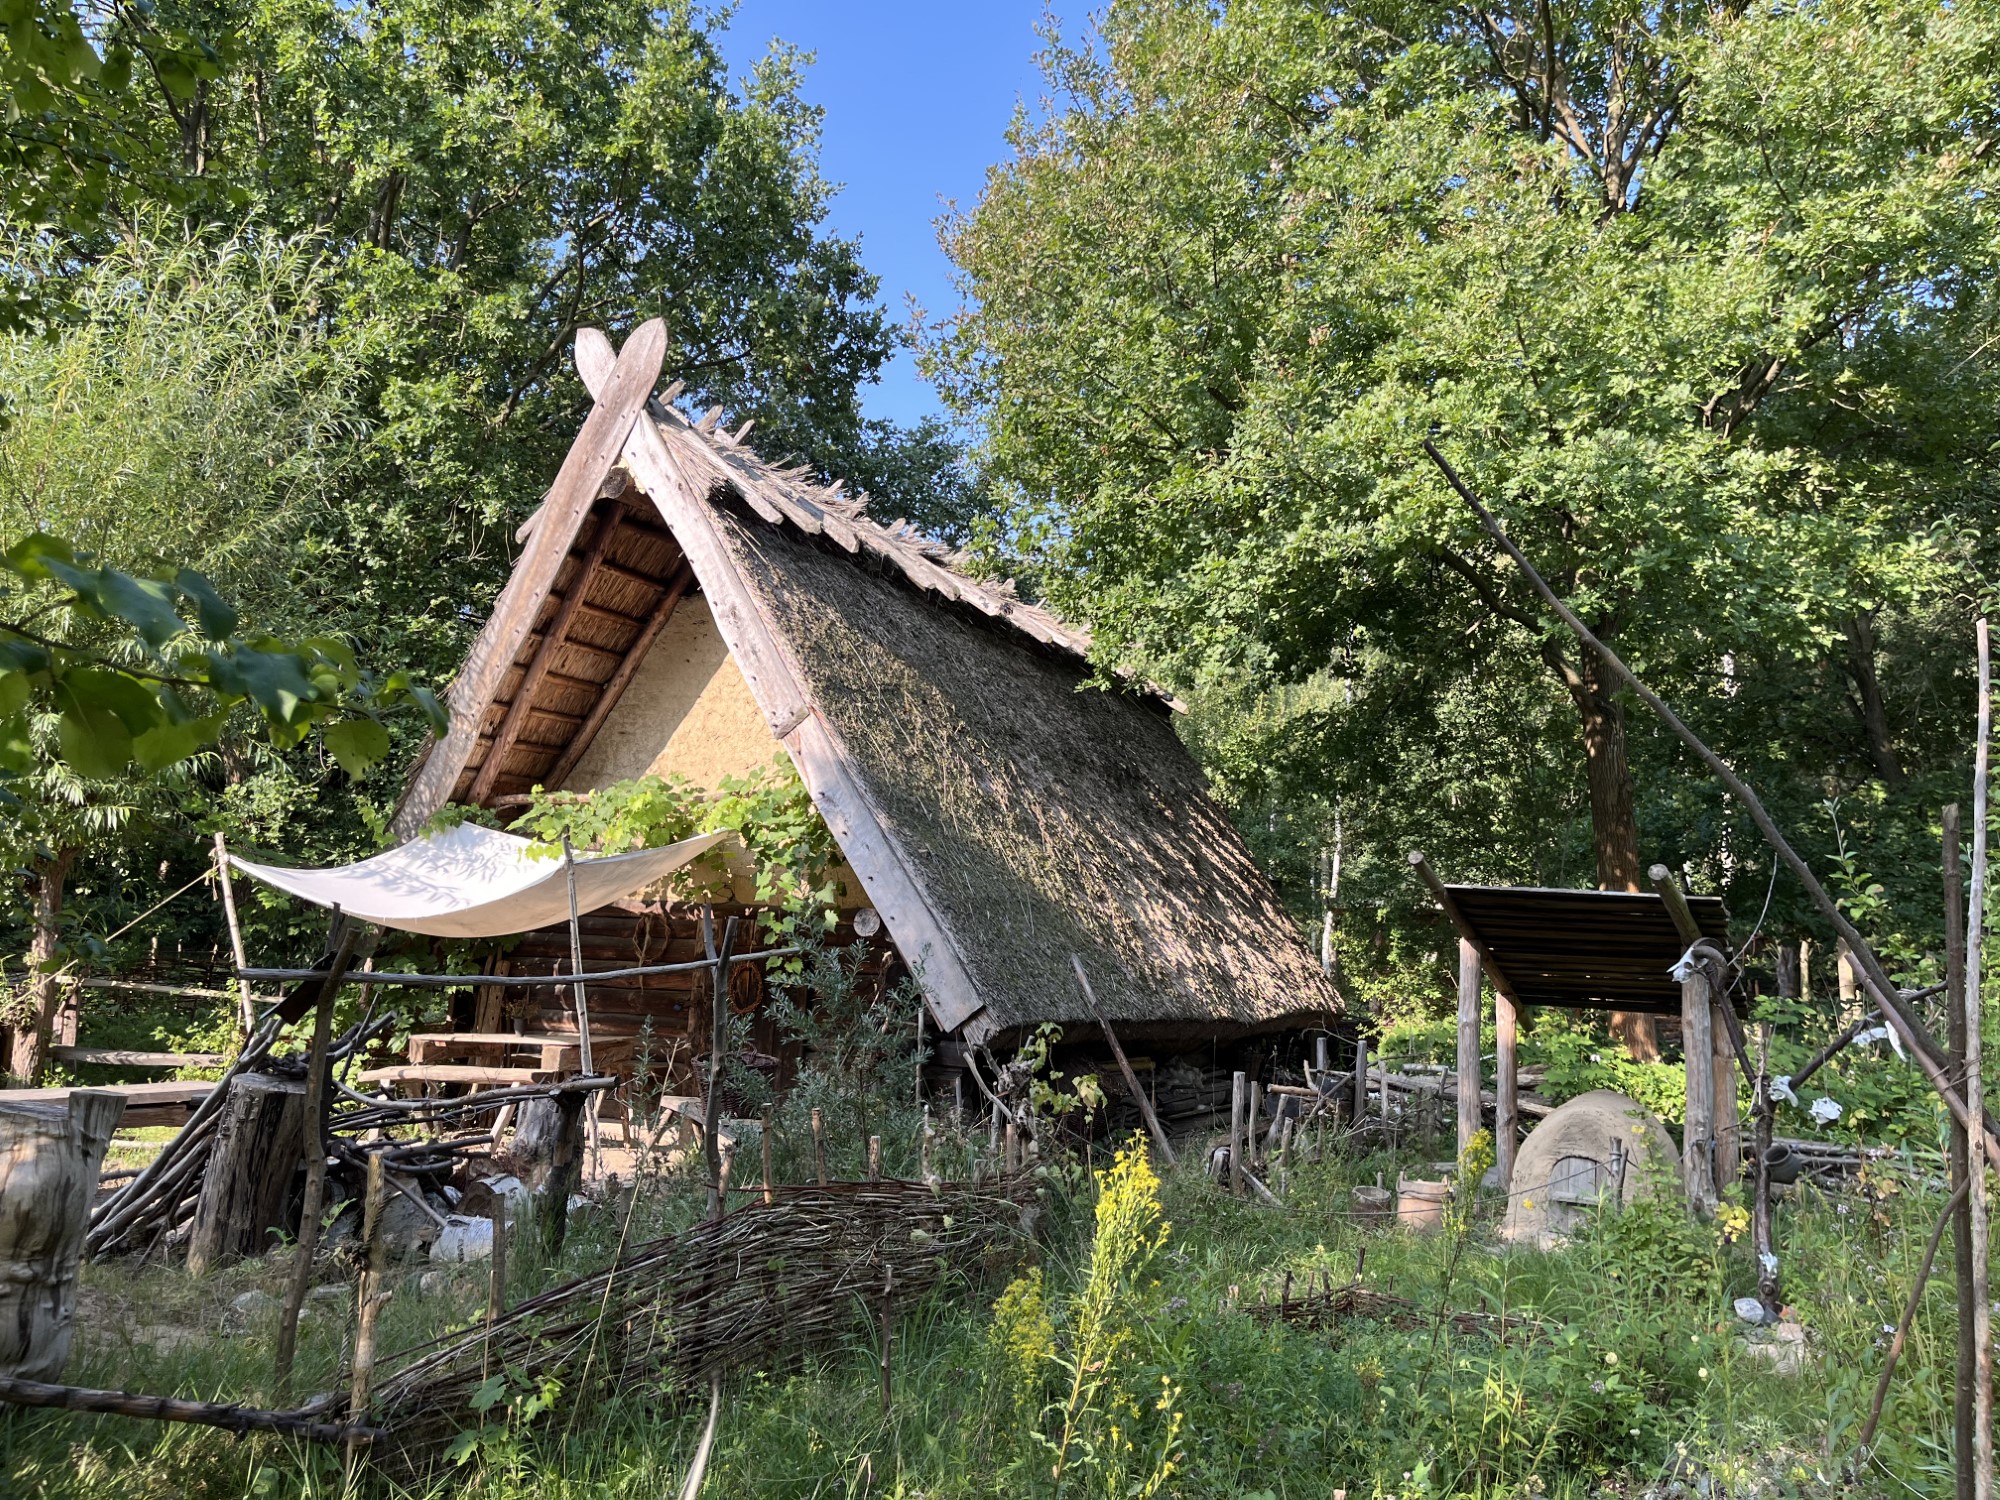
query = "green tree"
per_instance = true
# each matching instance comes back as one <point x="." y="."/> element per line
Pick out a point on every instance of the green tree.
<point x="1700" y="298"/>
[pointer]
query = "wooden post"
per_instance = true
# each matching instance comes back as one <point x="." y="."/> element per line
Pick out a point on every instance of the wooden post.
<point x="1698" y="1129"/>
<point x="49" y="1159"/>
<point x="496" y="1283"/>
<point x="1236" y="1135"/>
<point x="1963" y="1413"/>
<point x="1253" y="1119"/>
<point x="564" y="1171"/>
<point x="1506" y="1089"/>
<point x="711" y="1115"/>
<point x="246" y="1004"/>
<point x="1468" y="1045"/>
<point x="368" y="1305"/>
<point x="874" y="1158"/>
<point x="1975" y="1086"/>
<point x="769" y="1195"/>
<point x="578" y="999"/>
<point x="819" y="1149"/>
<point x="345" y="935"/>
<point x="1728" y="1116"/>
<point x="1124" y="1067"/>
<point x="888" y="1278"/>
<point x="1360" y="1077"/>
<point x="259" y="1143"/>
<point x="1285" y="1155"/>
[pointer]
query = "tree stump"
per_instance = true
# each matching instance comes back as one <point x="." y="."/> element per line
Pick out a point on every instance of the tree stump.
<point x="49" y="1160"/>
<point x="548" y="1157"/>
<point x="246" y="1189"/>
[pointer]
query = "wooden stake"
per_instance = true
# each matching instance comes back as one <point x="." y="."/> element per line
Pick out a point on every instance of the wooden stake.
<point x="1964" y="1412"/>
<point x="345" y="935"/>
<point x="1468" y="1044"/>
<point x="1253" y="1120"/>
<point x="887" y="1279"/>
<point x="1360" y="1077"/>
<point x="769" y="1195"/>
<point x="1903" y="1324"/>
<point x="819" y="1149"/>
<point x="1506" y="1087"/>
<point x="711" y="1116"/>
<point x="1007" y="1148"/>
<point x="578" y="1000"/>
<point x="496" y="1283"/>
<point x="1236" y="1101"/>
<point x="246" y="1004"/>
<point x="1975" y="1087"/>
<point x="1125" y="1067"/>
<point x="368" y="1306"/>
<point x="1698" y="1065"/>
<point x="874" y="1158"/>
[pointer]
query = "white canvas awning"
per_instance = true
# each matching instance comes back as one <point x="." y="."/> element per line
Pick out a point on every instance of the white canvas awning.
<point x="471" y="881"/>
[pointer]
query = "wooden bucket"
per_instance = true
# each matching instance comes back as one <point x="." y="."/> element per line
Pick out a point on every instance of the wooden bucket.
<point x="49" y="1159"/>
<point x="1373" y="1205"/>
<point x="1420" y="1204"/>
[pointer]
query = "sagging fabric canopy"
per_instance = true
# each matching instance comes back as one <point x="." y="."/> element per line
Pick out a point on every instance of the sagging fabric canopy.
<point x="471" y="881"/>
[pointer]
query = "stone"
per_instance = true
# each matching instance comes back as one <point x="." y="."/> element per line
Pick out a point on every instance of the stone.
<point x="1782" y="1346"/>
<point x="434" y="1284"/>
<point x="407" y="1231"/>
<point x="1568" y="1167"/>
<point x="253" y="1303"/>
<point x="332" y="1291"/>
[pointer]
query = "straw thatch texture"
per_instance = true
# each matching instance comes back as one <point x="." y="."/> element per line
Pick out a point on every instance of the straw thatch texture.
<point x="1042" y="817"/>
<point x="758" y="1286"/>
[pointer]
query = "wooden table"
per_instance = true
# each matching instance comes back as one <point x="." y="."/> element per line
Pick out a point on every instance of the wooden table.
<point x="145" y="1103"/>
<point x="551" y="1053"/>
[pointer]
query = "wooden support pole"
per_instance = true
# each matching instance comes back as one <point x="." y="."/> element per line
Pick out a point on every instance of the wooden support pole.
<point x="1360" y="1111"/>
<point x="345" y="935"/>
<point x="368" y="1305"/>
<point x="888" y="1279"/>
<point x="1468" y="1044"/>
<point x="496" y="1283"/>
<point x="1441" y="894"/>
<point x="1978" y="1147"/>
<point x="565" y="1171"/>
<point x="1253" y="1119"/>
<point x="770" y="1195"/>
<point x="1506" y="1088"/>
<point x="1236" y="1167"/>
<point x="711" y="1115"/>
<point x="874" y="1158"/>
<point x="1139" y="1098"/>
<point x="1964" y="1413"/>
<point x="1698" y="1128"/>
<point x="1008" y="1148"/>
<point x="819" y="1148"/>
<point x="246" y="1014"/>
<point x="1723" y="1074"/>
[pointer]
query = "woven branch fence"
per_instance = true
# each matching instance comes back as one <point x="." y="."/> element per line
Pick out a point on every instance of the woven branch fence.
<point x="1325" y="1306"/>
<point x="760" y="1286"/>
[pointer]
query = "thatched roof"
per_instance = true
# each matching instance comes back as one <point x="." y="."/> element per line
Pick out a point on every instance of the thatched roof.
<point x="1001" y="812"/>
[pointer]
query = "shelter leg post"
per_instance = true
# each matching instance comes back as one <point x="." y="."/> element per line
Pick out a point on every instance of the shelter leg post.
<point x="1506" y="1088"/>
<point x="1236" y="1135"/>
<point x="1469" y="977"/>
<point x="1698" y="1133"/>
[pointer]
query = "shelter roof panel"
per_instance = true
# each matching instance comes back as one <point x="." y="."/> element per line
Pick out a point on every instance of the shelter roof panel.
<point x="1585" y="949"/>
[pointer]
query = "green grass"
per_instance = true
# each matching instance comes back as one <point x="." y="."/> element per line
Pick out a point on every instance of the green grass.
<point x="1643" y="1378"/>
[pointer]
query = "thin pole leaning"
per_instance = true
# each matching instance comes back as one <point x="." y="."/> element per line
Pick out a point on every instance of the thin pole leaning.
<point x="580" y="1000"/>
<point x="1124" y="1067"/>
<point x="1920" y="1044"/>
<point x="1975" y="1090"/>
<point x="246" y="1004"/>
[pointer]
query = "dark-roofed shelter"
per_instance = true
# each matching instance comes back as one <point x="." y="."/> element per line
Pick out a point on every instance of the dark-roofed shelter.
<point x="1594" y="950"/>
<point x="693" y="610"/>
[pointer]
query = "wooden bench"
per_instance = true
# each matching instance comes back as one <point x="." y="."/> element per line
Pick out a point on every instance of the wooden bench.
<point x="407" y="1076"/>
<point x="483" y="1048"/>
<point x="114" y="1057"/>
<point x="146" y="1104"/>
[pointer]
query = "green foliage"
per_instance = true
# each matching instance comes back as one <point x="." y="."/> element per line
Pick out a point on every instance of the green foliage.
<point x="1705" y="324"/>
<point x="792" y="853"/>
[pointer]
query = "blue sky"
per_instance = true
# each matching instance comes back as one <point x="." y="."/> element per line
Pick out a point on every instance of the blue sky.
<point x="917" y="99"/>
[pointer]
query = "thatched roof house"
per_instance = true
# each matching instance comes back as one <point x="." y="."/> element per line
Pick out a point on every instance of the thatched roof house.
<point x="699" y="609"/>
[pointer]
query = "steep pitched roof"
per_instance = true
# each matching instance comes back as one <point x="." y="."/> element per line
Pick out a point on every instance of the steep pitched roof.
<point x="1001" y="813"/>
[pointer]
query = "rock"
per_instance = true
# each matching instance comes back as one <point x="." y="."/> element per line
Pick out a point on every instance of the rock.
<point x="407" y="1231"/>
<point x="253" y="1304"/>
<point x="332" y="1291"/>
<point x="463" y="1238"/>
<point x="1750" y="1310"/>
<point x="167" y="1338"/>
<point x="478" y="1199"/>
<point x="1783" y="1347"/>
<point x="434" y="1284"/>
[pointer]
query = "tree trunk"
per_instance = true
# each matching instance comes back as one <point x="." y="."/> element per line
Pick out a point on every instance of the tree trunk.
<point x="1614" y="830"/>
<point x="49" y="1160"/>
<point x="1860" y="631"/>
<point x="28" y="1053"/>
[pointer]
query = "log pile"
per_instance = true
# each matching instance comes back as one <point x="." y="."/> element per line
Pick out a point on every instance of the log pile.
<point x="757" y="1286"/>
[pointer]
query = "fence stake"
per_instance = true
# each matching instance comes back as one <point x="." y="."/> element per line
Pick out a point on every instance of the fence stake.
<point x="370" y="1307"/>
<point x="819" y="1149"/>
<point x="874" y="1158"/>
<point x="769" y="1196"/>
<point x="1236" y="1135"/>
